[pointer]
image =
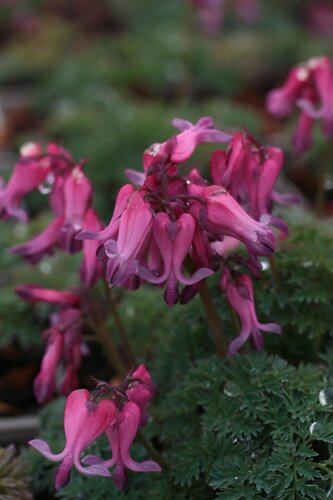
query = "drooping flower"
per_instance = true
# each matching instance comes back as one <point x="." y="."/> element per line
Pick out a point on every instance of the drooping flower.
<point x="221" y="215"/>
<point x="32" y="170"/>
<point x="64" y="341"/>
<point x="141" y="391"/>
<point x="134" y="228"/>
<point x="44" y="243"/>
<point x="191" y="136"/>
<point x="322" y="72"/>
<point x="111" y="231"/>
<point x="121" y="435"/>
<point x="86" y="419"/>
<point x="34" y="293"/>
<point x="249" y="172"/>
<point x="29" y="173"/>
<point x="239" y="293"/>
<point x="84" y="422"/>
<point x="44" y="383"/>
<point x="173" y="238"/>
<point x="77" y="192"/>
<point x="91" y="268"/>
<point x="308" y="86"/>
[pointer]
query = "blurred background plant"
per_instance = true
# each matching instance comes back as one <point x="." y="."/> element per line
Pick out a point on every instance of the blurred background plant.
<point x="104" y="79"/>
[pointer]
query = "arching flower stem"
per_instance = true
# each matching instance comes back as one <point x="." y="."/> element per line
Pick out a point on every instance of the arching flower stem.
<point x="113" y="309"/>
<point x="213" y="318"/>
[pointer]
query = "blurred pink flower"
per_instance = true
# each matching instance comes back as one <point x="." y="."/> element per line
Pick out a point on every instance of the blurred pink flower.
<point x="308" y="86"/>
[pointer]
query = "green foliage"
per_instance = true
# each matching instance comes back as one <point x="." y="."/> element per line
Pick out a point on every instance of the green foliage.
<point x="245" y="427"/>
<point x="299" y="294"/>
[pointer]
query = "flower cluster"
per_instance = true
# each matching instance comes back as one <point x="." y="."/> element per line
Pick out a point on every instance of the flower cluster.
<point x="176" y="220"/>
<point x="86" y="418"/>
<point x="309" y="85"/>
<point x="70" y="194"/>
<point x="64" y="341"/>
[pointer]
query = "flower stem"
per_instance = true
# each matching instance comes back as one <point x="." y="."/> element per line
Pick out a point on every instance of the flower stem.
<point x="113" y="308"/>
<point x="110" y="348"/>
<point x="324" y="168"/>
<point x="214" y="321"/>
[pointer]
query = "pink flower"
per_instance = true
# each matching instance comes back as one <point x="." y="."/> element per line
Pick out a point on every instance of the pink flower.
<point x="64" y="340"/>
<point x="27" y="175"/>
<point x="322" y="71"/>
<point x="281" y="101"/>
<point x="240" y="295"/>
<point x="220" y="214"/>
<point x="249" y="172"/>
<point x="111" y="231"/>
<point x="134" y="228"/>
<point x="84" y="422"/>
<point x="121" y="435"/>
<point x="33" y="294"/>
<point x="91" y="268"/>
<point x="184" y="144"/>
<point x="44" y="383"/>
<point x="141" y="391"/>
<point x="210" y="13"/>
<point x="303" y="136"/>
<point x="35" y="249"/>
<point x="77" y="192"/>
<point x="70" y="324"/>
<point x="307" y="86"/>
<point x="227" y="167"/>
<point x="72" y="359"/>
<point x="173" y="239"/>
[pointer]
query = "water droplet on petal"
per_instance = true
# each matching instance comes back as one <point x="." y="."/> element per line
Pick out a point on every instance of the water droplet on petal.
<point x="302" y="74"/>
<point x="30" y="149"/>
<point x="154" y="149"/>
<point x="47" y="186"/>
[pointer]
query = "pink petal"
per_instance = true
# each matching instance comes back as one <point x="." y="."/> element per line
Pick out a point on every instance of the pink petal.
<point x="127" y="432"/>
<point x="43" y="448"/>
